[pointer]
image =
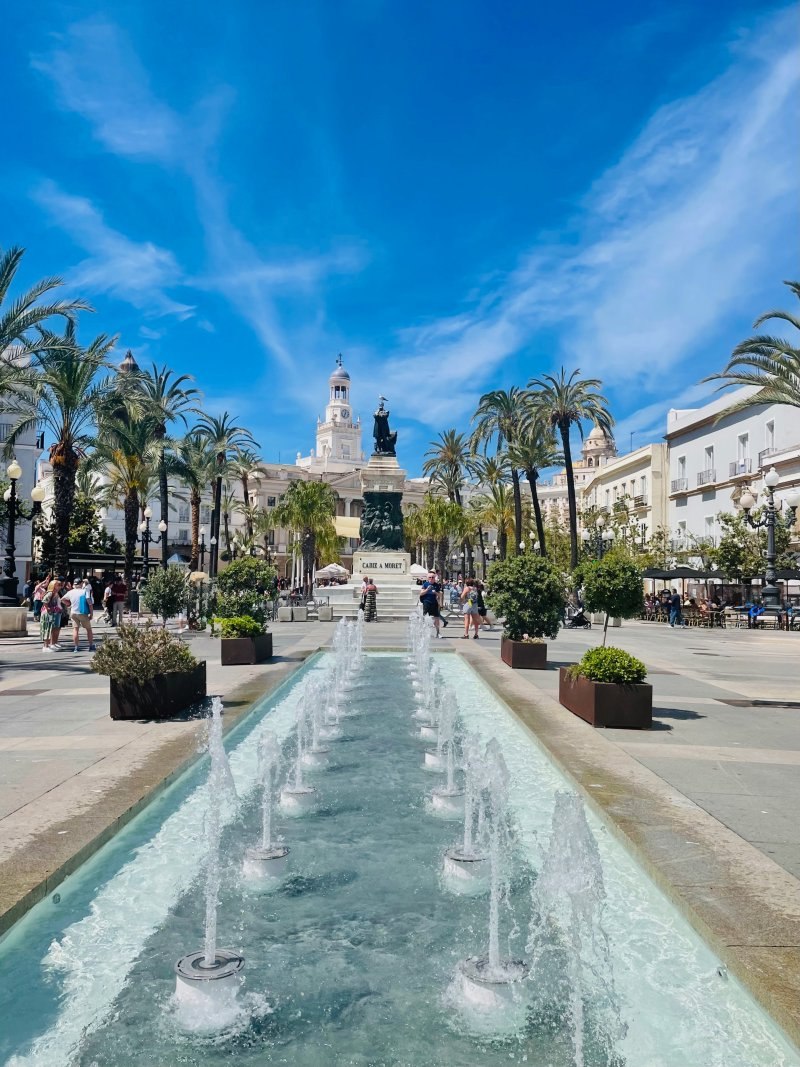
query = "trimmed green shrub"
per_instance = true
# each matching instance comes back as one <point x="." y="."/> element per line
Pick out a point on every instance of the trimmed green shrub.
<point x="242" y="589"/>
<point x="610" y="665"/>
<point x="240" y="626"/>
<point x="527" y="593"/>
<point x="142" y="652"/>
<point x="614" y="586"/>
<point x="165" y="592"/>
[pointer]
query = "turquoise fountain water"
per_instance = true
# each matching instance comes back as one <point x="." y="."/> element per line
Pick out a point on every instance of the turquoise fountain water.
<point x="351" y="959"/>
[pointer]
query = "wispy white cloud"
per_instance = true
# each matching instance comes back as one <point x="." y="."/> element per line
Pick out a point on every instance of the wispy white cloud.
<point x="140" y="273"/>
<point x="98" y="75"/>
<point x="667" y="240"/>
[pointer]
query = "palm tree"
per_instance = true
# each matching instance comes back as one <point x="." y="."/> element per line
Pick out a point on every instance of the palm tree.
<point x="195" y="465"/>
<point x="448" y="459"/>
<point x="771" y="363"/>
<point x="499" y="417"/>
<point x="563" y="402"/>
<point x="225" y="438"/>
<point x="308" y="510"/>
<point x="165" y="398"/>
<point x="534" y="452"/>
<point x="495" y="510"/>
<point x="243" y="465"/>
<point x="61" y="393"/>
<point x="19" y="320"/>
<point x="128" y="456"/>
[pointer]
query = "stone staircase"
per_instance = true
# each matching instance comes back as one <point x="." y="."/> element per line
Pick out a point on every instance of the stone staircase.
<point x="398" y="595"/>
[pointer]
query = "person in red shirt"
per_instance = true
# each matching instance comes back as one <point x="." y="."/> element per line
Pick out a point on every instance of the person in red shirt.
<point x="119" y="593"/>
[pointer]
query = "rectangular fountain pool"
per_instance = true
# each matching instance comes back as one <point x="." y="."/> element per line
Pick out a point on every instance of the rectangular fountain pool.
<point x="349" y="962"/>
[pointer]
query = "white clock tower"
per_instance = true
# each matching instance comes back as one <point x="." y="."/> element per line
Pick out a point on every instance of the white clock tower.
<point x="339" y="433"/>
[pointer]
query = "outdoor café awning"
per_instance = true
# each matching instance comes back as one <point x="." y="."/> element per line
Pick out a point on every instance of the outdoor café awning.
<point x="347" y="526"/>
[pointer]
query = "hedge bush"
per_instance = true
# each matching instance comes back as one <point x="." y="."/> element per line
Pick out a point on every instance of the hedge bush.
<point x="610" y="665"/>
<point x="165" y="592"/>
<point x="528" y="594"/>
<point x="613" y="586"/>
<point x="240" y="626"/>
<point x="142" y="652"/>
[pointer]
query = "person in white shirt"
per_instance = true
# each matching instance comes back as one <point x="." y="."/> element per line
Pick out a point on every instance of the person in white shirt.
<point x="82" y="608"/>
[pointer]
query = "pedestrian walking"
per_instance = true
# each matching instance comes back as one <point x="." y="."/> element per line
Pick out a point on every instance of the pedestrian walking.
<point x="675" y="609"/>
<point x="469" y="599"/>
<point x="482" y="610"/>
<point x="50" y="618"/>
<point x="370" y="601"/>
<point x="81" y="610"/>
<point x="429" y="599"/>
<point x="119" y="592"/>
<point x="38" y="593"/>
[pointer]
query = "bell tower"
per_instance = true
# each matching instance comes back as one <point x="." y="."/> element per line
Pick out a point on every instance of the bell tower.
<point x="339" y="434"/>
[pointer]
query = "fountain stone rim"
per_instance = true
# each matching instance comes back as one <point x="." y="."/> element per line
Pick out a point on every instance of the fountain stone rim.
<point x="226" y="964"/>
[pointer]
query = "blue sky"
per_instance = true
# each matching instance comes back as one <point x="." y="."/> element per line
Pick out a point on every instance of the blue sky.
<point x="457" y="196"/>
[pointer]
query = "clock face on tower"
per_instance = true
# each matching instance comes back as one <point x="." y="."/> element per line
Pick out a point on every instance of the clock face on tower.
<point x="345" y="413"/>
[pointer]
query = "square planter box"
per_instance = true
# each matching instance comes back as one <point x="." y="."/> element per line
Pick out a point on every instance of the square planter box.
<point x="284" y="614"/>
<point x="325" y="613"/>
<point x="300" y="614"/>
<point x="625" y="707"/>
<point x="160" y="697"/>
<point x="524" y="655"/>
<point x="236" y="650"/>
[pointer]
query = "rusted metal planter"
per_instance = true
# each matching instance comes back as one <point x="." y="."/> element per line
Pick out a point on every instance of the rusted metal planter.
<point x="524" y="655"/>
<point x="622" y="707"/>
<point x="239" y="650"/>
<point x="160" y="697"/>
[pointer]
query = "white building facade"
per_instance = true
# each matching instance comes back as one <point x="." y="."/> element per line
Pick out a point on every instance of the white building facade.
<point x="712" y="460"/>
<point x="633" y="486"/>
<point x="597" y="450"/>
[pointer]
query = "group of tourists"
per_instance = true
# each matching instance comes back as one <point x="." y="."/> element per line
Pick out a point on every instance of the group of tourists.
<point x="57" y="603"/>
<point x="467" y="594"/>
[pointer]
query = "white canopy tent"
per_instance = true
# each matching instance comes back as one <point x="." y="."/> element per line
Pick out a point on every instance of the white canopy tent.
<point x="333" y="570"/>
<point x="416" y="571"/>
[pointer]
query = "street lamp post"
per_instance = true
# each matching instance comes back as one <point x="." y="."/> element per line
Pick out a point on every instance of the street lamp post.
<point x="202" y="547"/>
<point x="212" y="558"/>
<point x="602" y="538"/>
<point x="8" y="583"/>
<point x="769" y="594"/>
<point x="148" y="539"/>
<point x="37" y="496"/>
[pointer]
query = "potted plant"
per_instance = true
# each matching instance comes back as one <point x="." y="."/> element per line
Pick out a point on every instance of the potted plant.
<point x="165" y="593"/>
<point x="243" y="641"/>
<point x="613" y="587"/>
<point x="527" y="593"/>
<point x="153" y="673"/>
<point x="245" y="587"/>
<point x="607" y="688"/>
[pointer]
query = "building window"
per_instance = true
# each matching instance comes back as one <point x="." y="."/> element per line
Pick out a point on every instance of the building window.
<point x="205" y="514"/>
<point x="769" y="435"/>
<point x="590" y="462"/>
<point x="345" y="451"/>
<point x="643" y="485"/>
<point x="183" y="537"/>
<point x="709" y="457"/>
<point x="608" y="498"/>
<point x="5" y="430"/>
<point x="183" y="513"/>
<point x="271" y="501"/>
<point x="709" y="531"/>
<point x="681" y="466"/>
<point x="743" y="447"/>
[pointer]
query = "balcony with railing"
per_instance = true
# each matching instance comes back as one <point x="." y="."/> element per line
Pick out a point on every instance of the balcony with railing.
<point x="764" y="455"/>
<point x="740" y="466"/>
<point x="707" y="477"/>
<point x="640" y="501"/>
<point x="679" y="485"/>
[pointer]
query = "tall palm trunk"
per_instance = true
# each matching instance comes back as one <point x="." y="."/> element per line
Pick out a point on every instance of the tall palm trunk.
<point x="194" y="504"/>
<point x="248" y="515"/>
<point x="502" y="543"/>
<point x="441" y="555"/>
<point x="429" y="553"/>
<point x="483" y="548"/>
<point x="573" y="509"/>
<point x="65" y="467"/>
<point x="215" y="519"/>
<point x="517" y="510"/>
<point x="163" y="493"/>
<point x="531" y="474"/>
<point x="131" y="514"/>
<point x="227" y="528"/>
<point x="309" y="559"/>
